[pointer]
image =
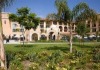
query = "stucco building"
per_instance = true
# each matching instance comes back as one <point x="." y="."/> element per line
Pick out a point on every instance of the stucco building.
<point x="48" y="29"/>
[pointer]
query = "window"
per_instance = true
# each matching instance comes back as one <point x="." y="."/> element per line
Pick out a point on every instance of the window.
<point x="34" y="28"/>
<point x="72" y="28"/>
<point x="65" y="29"/>
<point x="93" y="25"/>
<point x="14" y="30"/>
<point x="88" y="22"/>
<point x="60" y="23"/>
<point x="42" y="31"/>
<point x="14" y="25"/>
<point x="41" y="24"/>
<point x="73" y="25"/>
<point x="47" y="25"/>
<point x="99" y="24"/>
<point x="21" y="30"/>
<point x="54" y="22"/>
<point x="5" y="22"/>
<point x="14" y="34"/>
<point x="94" y="30"/>
<point x="88" y="25"/>
<point x="60" y="27"/>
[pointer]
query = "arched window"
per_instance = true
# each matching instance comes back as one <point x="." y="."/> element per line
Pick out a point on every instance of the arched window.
<point x="94" y="25"/>
<point x="5" y="22"/>
<point x="60" y="27"/>
<point x="65" y="29"/>
<point x="35" y="36"/>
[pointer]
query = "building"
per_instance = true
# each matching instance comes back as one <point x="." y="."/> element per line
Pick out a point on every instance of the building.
<point x="49" y="30"/>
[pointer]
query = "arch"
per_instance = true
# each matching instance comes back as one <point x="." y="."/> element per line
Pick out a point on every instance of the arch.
<point x="54" y="37"/>
<point x="60" y="27"/>
<point x="65" y="29"/>
<point x="43" y="37"/>
<point x="51" y="35"/>
<point x="35" y="36"/>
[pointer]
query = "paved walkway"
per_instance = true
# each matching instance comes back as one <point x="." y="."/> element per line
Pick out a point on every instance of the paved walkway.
<point x="11" y="42"/>
<point x="18" y="42"/>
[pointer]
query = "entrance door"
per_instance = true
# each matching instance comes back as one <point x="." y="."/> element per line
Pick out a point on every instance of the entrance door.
<point x="50" y="36"/>
<point x="35" y="36"/>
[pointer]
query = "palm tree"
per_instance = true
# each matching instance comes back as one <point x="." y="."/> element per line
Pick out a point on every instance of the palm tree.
<point x="52" y="16"/>
<point x="81" y="12"/>
<point x="3" y="4"/>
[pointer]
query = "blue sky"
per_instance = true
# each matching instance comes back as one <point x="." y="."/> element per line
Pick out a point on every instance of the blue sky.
<point x="43" y="7"/>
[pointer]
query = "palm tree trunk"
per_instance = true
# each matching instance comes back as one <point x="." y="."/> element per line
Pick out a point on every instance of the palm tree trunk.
<point x="23" y="32"/>
<point x="70" y="38"/>
<point x="23" y="37"/>
<point x="27" y="35"/>
<point x="83" y="39"/>
<point x="2" y="52"/>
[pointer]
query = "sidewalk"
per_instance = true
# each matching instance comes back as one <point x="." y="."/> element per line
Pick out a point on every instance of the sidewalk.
<point x="11" y="42"/>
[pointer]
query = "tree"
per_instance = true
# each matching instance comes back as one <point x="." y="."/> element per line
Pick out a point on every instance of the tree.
<point x="52" y="16"/>
<point x="82" y="29"/>
<point x="3" y="4"/>
<point x="81" y="12"/>
<point x="25" y="18"/>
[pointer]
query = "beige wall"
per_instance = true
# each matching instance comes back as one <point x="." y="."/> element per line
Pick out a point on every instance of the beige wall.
<point x="6" y="24"/>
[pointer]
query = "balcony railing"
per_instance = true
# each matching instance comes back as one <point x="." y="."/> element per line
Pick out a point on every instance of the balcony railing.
<point x="41" y="26"/>
<point x="17" y="30"/>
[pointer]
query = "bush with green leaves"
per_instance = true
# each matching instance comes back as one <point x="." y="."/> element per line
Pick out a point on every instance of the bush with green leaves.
<point x="16" y="65"/>
<point x="96" y="54"/>
<point x="31" y="56"/>
<point x="55" y="59"/>
<point x="34" y="66"/>
<point x="75" y="39"/>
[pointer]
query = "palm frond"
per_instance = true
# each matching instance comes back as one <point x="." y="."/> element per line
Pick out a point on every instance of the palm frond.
<point x="79" y="8"/>
<point x="5" y="3"/>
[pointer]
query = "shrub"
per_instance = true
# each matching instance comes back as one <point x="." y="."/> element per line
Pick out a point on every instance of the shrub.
<point x="95" y="66"/>
<point x="34" y="66"/>
<point x="16" y="65"/>
<point x="75" y="39"/>
<point x="96" y="55"/>
<point x="31" y="57"/>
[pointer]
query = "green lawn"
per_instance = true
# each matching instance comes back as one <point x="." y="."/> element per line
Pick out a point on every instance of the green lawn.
<point x="38" y="48"/>
<point x="53" y="57"/>
<point x="48" y="47"/>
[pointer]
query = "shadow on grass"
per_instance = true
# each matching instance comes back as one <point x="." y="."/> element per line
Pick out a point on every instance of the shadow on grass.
<point x="86" y="46"/>
<point x="64" y="49"/>
<point x="24" y="46"/>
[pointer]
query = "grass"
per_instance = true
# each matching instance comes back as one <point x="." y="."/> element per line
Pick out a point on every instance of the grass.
<point x="37" y="48"/>
<point x="47" y="47"/>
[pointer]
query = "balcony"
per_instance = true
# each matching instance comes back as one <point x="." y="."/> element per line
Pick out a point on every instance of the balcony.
<point x="43" y="31"/>
<point x="41" y="26"/>
<point x="94" y="25"/>
<point x="94" y="30"/>
<point x="54" y="22"/>
<point x="17" y="30"/>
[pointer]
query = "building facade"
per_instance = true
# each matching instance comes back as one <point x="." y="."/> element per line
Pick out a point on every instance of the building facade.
<point x="50" y="30"/>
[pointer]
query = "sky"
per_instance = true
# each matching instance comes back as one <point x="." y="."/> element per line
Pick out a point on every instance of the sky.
<point x="44" y="7"/>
